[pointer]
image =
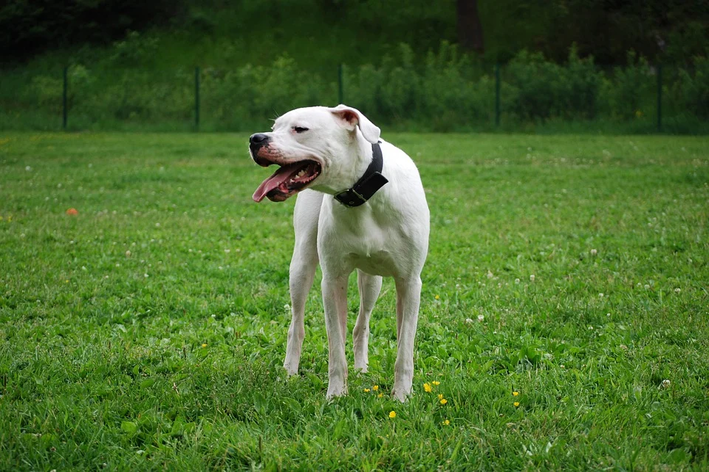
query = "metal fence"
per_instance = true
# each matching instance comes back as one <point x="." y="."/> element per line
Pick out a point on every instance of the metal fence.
<point x="643" y="98"/>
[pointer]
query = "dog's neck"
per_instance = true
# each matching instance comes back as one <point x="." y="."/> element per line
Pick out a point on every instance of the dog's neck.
<point x="345" y="172"/>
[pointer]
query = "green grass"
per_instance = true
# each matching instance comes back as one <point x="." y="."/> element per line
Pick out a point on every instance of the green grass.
<point x="570" y="269"/>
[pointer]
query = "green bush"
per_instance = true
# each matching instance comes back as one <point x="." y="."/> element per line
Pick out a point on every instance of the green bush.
<point x="626" y="92"/>
<point x="443" y="91"/>
<point x="450" y="96"/>
<point x="135" y="95"/>
<point x="542" y="89"/>
<point x="241" y="98"/>
<point x="534" y="86"/>
<point x="691" y="91"/>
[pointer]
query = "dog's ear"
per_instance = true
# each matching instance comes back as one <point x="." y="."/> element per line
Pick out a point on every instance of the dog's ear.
<point x="350" y="118"/>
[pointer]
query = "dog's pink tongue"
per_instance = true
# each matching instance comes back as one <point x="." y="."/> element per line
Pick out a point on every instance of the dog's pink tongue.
<point x="281" y="175"/>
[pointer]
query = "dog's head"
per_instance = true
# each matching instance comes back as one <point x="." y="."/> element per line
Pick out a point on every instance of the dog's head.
<point x="311" y="146"/>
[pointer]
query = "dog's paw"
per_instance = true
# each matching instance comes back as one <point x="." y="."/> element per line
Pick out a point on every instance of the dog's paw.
<point x="401" y="394"/>
<point x="291" y="367"/>
<point x="334" y="391"/>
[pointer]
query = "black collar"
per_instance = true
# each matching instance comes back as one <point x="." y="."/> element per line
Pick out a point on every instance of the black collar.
<point x="368" y="184"/>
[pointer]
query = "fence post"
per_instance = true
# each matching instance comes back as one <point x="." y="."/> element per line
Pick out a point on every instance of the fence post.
<point x="196" y="98"/>
<point x="497" y="94"/>
<point x="340" y="93"/>
<point x="659" y="98"/>
<point x="64" y="100"/>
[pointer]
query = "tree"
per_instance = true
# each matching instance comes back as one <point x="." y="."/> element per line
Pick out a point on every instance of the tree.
<point x="470" y="30"/>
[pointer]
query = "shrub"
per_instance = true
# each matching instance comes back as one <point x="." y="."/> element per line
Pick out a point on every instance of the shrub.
<point x="626" y="92"/>
<point x="535" y="85"/>
<point x="691" y="91"/>
<point x="580" y="87"/>
<point x="445" y="91"/>
<point x="543" y="89"/>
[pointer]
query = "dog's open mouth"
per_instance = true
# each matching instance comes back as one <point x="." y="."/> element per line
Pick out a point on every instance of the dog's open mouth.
<point x="288" y="180"/>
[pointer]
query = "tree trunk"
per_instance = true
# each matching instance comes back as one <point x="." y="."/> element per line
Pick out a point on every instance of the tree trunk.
<point x="470" y="31"/>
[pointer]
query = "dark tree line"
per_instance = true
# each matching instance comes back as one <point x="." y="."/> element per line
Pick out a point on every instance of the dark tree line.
<point x="31" y="26"/>
<point x="668" y="30"/>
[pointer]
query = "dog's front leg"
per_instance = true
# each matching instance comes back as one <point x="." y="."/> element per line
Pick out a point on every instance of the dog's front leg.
<point x="369" y="288"/>
<point x="408" y="298"/>
<point x="334" y="292"/>
<point x="302" y="272"/>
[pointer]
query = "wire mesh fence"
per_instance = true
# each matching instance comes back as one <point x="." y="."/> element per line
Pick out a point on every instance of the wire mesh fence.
<point x="438" y="96"/>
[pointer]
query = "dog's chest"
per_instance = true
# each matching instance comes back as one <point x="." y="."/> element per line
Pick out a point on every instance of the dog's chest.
<point x="377" y="263"/>
<point x="364" y="243"/>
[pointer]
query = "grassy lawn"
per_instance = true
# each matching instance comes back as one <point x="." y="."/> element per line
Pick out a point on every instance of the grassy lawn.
<point x="564" y="312"/>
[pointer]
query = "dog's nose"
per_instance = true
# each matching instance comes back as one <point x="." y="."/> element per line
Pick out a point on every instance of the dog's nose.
<point x="258" y="139"/>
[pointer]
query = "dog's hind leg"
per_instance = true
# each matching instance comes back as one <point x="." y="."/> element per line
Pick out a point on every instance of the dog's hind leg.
<point x="408" y="300"/>
<point x="302" y="271"/>
<point x="369" y="288"/>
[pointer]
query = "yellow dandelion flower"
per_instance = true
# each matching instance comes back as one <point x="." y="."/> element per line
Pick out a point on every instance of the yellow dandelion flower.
<point x="446" y="422"/>
<point x="392" y="414"/>
<point x="437" y="297"/>
<point x="436" y="382"/>
<point x="440" y="396"/>
<point x="375" y="388"/>
<point x="427" y="387"/>
<point x="443" y="401"/>
<point x="516" y="404"/>
<point x="380" y="395"/>
<point x="204" y="345"/>
<point x="366" y="390"/>
<point x="515" y="393"/>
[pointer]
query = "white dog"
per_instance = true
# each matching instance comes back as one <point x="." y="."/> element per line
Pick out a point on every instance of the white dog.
<point x="365" y="209"/>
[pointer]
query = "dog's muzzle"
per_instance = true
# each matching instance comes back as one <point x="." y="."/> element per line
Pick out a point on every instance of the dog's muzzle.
<point x="291" y="176"/>
<point x="256" y="142"/>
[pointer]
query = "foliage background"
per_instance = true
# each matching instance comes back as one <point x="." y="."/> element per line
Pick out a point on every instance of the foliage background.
<point x="581" y="65"/>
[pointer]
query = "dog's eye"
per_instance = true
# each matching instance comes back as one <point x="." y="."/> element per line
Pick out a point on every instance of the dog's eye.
<point x="299" y="129"/>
